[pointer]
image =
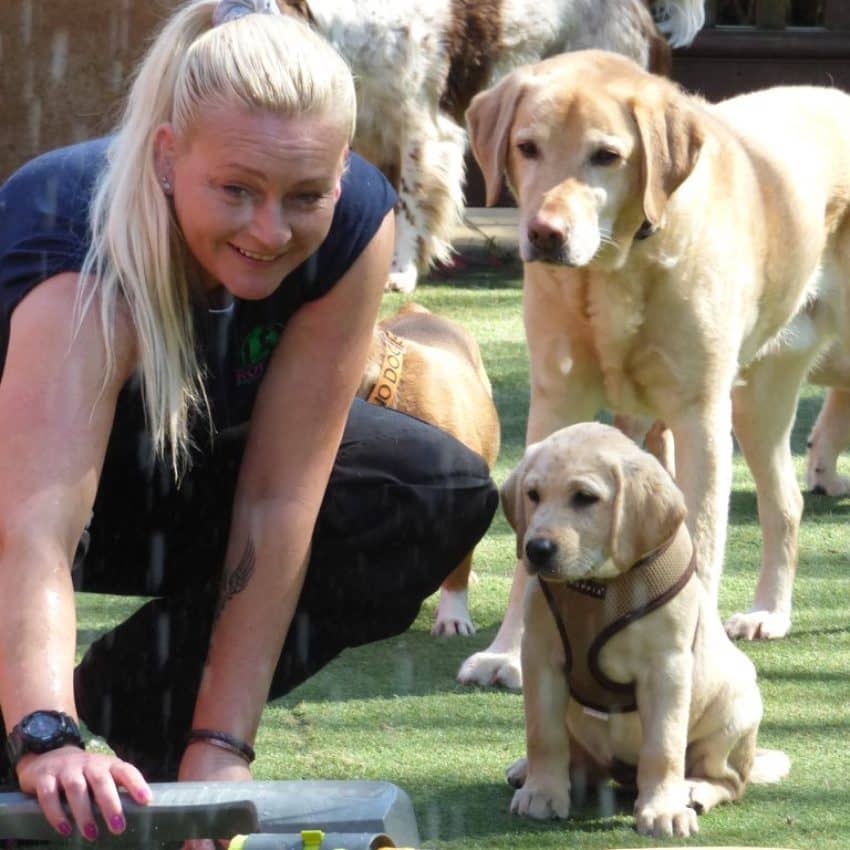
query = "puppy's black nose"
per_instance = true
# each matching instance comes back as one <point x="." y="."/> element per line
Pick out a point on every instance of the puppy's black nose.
<point x="539" y="550"/>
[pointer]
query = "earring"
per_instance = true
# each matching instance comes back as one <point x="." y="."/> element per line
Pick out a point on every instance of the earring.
<point x="166" y="185"/>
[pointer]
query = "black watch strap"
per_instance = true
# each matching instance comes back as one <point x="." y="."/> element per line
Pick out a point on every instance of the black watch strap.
<point x="41" y="732"/>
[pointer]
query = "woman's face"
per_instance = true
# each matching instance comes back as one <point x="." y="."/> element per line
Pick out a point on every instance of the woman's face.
<point x="253" y="193"/>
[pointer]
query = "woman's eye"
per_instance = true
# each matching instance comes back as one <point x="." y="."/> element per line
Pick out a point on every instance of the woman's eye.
<point x="529" y="150"/>
<point x="582" y="499"/>
<point x="604" y="156"/>
<point x="236" y="191"/>
<point x="533" y="496"/>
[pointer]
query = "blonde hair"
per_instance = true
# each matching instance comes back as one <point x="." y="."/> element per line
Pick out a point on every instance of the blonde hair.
<point x="259" y="61"/>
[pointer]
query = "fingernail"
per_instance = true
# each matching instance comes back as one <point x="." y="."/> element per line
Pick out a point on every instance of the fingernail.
<point x="90" y="831"/>
<point x="117" y="823"/>
<point x="65" y="828"/>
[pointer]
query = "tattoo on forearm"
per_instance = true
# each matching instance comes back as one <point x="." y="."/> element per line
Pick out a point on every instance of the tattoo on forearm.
<point x="237" y="580"/>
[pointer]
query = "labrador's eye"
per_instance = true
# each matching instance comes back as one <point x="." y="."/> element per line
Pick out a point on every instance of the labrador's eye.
<point x="583" y="499"/>
<point x="604" y="156"/>
<point x="529" y="150"/>
<point x="533" y="496"/>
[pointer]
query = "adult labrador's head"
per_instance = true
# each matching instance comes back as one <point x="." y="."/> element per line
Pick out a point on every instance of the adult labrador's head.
<point x="588" y="503"/>
<point x="592" y="146"/>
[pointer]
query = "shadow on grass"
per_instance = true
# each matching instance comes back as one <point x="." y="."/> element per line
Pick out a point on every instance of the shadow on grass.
<point x="743" y="508"/>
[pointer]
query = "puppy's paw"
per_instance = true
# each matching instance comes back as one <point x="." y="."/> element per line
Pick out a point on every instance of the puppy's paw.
<point x="758" y="625"/>
<point x="452" y="617"/>
<point x="515" y="773"/>
<point x="402" y="280"/>
<point x="492" y="668"/>
<point x="665" y="814"/>
<point x="542" y="800"/>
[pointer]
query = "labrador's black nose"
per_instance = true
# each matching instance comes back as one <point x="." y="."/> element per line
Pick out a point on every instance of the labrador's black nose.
<point x="539" y="550"/>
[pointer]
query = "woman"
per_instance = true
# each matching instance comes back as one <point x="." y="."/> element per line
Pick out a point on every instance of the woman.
<point x="190" y="303"/>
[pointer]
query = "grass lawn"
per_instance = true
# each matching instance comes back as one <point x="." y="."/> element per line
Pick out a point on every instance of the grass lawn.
<point x="393" y="711"/>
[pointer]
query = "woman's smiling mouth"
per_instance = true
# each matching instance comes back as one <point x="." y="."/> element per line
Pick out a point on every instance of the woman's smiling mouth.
<point x="260" y="258"/>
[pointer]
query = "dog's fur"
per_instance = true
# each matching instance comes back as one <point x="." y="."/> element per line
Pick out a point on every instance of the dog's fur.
<point x="417" y="64"/>
<point x="742" y="278"/>
<point x="442" y="381"/>
<point x="588" y="506"/>
<point x="831" y="432"/>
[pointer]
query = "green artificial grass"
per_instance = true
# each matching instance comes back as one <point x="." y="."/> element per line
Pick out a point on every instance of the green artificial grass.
<point x="393" y="711"/>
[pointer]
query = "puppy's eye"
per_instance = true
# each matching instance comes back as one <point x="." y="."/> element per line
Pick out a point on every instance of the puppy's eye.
<point x="583" y="499"/>
<point x="533" y="496"/>
<point x="604" y="156"/>
<point x="529" y="150"/>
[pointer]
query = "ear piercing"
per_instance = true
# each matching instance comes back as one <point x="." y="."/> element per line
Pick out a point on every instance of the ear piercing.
<point x="166" y="185"/>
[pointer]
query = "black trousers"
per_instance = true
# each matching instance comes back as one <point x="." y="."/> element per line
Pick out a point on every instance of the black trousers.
<point x="405" y="503"/>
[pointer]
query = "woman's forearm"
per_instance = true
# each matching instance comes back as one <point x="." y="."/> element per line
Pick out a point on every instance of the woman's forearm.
<point x="262" y="580"/>
<point x="37" y="631"/>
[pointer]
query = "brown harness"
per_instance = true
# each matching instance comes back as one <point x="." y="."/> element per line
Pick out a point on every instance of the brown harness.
<point x="386" y="387"/>
<point x="597" y="610"/>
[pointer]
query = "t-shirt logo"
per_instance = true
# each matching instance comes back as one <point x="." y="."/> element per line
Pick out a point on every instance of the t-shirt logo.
<point x="255" y="351"/>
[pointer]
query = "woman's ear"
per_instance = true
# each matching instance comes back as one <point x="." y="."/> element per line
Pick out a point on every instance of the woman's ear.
<point x="165" y="153"/>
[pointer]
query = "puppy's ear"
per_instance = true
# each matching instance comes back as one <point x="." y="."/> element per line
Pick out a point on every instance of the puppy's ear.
<point x="671" y="135"/>
<point x="489" y="119"/>
<point x="512" y="495"/>
<point x="648" y="508"/>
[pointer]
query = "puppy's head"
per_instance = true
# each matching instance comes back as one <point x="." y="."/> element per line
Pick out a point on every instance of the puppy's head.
<point x="592" y="147"/>
<point x="588" y="503"/>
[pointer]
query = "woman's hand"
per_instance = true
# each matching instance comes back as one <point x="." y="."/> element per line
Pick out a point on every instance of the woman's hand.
<point x="81" y="778"/>
<point x="205" y="762"/>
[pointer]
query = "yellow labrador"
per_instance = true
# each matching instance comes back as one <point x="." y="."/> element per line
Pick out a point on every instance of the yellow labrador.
<point x="676" y="254"/>
<point x="627" y="669"/>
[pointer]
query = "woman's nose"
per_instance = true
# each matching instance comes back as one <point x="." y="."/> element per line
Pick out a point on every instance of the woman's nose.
<point x="270" y="227"/>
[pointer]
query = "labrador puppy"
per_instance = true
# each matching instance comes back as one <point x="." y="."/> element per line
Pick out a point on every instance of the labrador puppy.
<point x="626" y="667"/>
<point x="431" y="367"/>
<point x="678" y="257"/>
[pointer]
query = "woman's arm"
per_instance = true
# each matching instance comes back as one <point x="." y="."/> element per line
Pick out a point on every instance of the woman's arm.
<point x="294" y="435"/>
<point x="54" y="427"/>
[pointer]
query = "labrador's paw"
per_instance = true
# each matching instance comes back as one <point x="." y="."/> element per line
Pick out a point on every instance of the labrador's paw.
<point x="828" y="483"/>
<point x="758" y="625"/>
<point x="515" y="773"/>
<point x="452" y="617"/>
<point x="492" y="668"/>
<point x="542" y="800"/>
<point x="666" y="814"/>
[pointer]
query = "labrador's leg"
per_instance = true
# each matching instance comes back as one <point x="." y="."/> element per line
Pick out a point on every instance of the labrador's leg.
<point x="703" y="452"/>
<point x="764" y="409"/>
<point x="663" y="806"/>
<point x="545" y="790"/>
<point x="829" y="437"/>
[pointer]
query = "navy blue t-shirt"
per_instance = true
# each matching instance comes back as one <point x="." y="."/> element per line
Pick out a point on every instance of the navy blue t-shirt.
<point x="44" y="231"/>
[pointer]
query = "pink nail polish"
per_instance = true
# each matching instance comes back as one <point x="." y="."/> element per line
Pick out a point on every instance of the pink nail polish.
<point x="117" y="823"/>
<point x="90" y="831"/>
<point x="65" y="828"/>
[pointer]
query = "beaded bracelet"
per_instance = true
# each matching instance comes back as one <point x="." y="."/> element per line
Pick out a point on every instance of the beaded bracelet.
<point x="225" y="741"/>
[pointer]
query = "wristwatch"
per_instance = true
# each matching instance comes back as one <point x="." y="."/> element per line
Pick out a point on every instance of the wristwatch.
<point x="41" y="732"/>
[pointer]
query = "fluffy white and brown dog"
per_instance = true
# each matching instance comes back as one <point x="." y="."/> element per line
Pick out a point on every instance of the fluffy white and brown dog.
<point x="682" y="260"/>
<point x="627" y="669"/>
<point x="418" y="63"/>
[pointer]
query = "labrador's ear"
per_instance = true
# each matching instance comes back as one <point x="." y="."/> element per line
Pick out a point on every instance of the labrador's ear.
<point x="489" y="119"/>
<point x="512" y="494"/>
<point x="648" y="508"/>
<point x="671" y="135"/>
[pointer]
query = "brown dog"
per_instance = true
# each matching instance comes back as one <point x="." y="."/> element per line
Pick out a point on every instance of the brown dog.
<point x="430" y="367"/>
<point x="627" y="670"/>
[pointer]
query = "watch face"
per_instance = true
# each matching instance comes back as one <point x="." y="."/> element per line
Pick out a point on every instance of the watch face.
<point x="42" y="726"/>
